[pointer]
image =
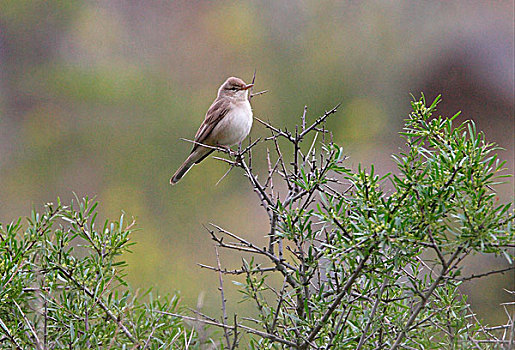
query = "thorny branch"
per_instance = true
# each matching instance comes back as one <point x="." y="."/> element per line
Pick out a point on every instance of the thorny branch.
<point x="306" y="176"/>
<point x="222" y="294"/>
<point x="109" y="313"/>
<point x="425" y="298"/>
<point x="221" y="325"/>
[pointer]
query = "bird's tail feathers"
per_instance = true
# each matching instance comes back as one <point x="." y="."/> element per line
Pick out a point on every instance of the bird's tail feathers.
<point x="183" y="169"/>
<point x="195" y="157"/>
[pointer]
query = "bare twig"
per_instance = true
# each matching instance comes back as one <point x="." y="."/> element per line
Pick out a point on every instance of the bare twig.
<point x="238" y="272"/>
<point x="278" y="308"/>
<point x="104" y="307"/>
<point x="226" y="173"/>
<point x="9" y="335"/>
<point x="277" y="131"/>
<point x="221" y="325"/>
<point x="252" y="87"/>
<point x="283" y="166"/>
<point x="435" y="246"/>
<point x="303" y="118"/>
<point x="319" y="120"/>
<point x="151" y="334"/>
<point x="221" y="288"/>
<point x="425" y="298"/>
<point x="214" y="148"/>
<point x="480" y="275"/>
<point x="235" y="332"/>
<point x="31" y="329"/>
<point x="329" y="311"/>
<point x="258" y="93"/>
<point x="372" y="314"/>
<point x="281" y="265"/>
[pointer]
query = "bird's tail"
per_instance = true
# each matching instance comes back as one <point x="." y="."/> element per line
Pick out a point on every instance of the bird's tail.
<point x="195" y="157"/>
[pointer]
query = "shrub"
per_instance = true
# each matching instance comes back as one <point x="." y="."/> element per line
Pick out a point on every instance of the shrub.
<point x="354" y="261"/>
<point x="62" y="286"/>
<point x="371" y="261"/>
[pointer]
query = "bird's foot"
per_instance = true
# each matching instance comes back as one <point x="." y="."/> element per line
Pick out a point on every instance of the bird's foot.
<point x="228" y="150"/>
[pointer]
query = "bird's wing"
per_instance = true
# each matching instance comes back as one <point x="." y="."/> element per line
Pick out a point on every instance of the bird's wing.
<point x="214" y="114"/>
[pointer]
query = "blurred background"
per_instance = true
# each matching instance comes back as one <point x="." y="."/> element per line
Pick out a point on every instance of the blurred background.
<point x="95" y="96"/>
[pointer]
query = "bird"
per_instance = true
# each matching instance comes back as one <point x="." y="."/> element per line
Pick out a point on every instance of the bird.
<point x="227" y="122"/>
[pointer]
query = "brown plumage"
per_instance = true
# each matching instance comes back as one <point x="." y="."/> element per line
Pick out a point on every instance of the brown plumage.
<point x="227" y="122"/>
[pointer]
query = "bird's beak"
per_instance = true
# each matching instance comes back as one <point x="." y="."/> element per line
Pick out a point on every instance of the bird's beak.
<point x="248" y="86"/>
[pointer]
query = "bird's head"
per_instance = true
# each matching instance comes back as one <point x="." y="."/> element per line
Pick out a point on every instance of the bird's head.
<point x="235" y="88"/>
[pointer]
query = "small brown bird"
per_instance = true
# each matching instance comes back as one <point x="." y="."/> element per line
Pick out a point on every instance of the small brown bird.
<point x="227" y="122"/>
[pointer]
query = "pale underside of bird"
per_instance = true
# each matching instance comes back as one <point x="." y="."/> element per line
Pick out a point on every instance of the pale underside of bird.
<point x="227" y="122"/>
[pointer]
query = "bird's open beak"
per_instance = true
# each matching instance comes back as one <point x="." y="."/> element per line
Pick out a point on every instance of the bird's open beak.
<point x="248" y="86"/>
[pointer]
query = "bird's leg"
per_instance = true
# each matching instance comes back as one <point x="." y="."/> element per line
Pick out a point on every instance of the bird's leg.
<point x="238" y="154"/>
<point x="228" y="150"/>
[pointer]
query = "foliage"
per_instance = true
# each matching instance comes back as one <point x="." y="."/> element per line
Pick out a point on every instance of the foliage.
<point x="371" y="261"/>
<point x="62" y="286"/>
<point x="355" y="260"/>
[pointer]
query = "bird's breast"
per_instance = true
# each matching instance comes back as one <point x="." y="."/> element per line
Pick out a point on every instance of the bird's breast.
<point x="235" y="125"/>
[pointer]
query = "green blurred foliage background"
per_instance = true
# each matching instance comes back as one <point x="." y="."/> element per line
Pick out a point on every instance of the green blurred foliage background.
<point x="95" y="96"/>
